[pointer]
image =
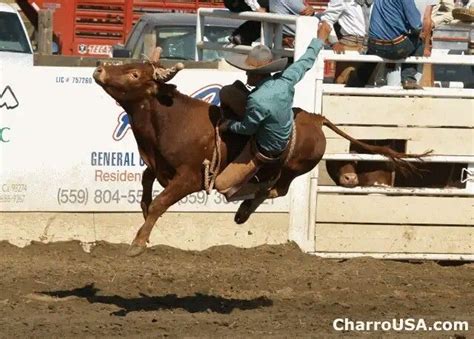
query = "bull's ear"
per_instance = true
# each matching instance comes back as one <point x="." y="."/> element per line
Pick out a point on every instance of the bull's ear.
<point x="166" y="94"/>
<point x="155" y="56"/>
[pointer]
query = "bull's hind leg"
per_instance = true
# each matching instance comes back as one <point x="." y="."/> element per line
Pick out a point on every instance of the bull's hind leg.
<point x="148" y="178"/>
<point x="179" y="187"/>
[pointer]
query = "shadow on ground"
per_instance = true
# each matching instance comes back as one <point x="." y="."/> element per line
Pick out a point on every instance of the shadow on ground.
<point x="193" y="304"/>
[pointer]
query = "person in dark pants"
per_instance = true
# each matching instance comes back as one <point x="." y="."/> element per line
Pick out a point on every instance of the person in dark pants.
<point x="249" y="31"/>
<point x="394" y="33"/>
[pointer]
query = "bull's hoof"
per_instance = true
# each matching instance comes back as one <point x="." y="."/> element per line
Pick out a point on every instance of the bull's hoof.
<point x="135" y="250"/>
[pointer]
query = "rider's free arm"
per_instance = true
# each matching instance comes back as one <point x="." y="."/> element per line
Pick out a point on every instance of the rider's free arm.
<point x="297" y="70"/>
<point x="254" y="113"/>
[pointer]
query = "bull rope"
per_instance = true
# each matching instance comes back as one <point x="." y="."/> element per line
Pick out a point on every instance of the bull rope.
<point x="292" y="145"/>
<point x="212" y="168"/>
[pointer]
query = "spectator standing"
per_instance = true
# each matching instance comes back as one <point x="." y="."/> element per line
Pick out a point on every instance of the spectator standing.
<point x="425" y="8"/>
<point x="249" y="31"/>
<point x="443" y="13"/>
<point x="394" y="33"/>
<point x="353" y="19"/>
<point x="291" y="7"/>
<point x="464" y="11"/>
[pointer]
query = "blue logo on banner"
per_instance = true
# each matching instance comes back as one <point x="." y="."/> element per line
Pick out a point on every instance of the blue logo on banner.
<point x="208" y="94"/>
<point x="8" y="98"/>
<point x="122" y="127"/>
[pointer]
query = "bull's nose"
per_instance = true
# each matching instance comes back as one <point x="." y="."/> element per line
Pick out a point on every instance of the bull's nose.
<point x="349" y="180"/>
<point x="99" y="74"/>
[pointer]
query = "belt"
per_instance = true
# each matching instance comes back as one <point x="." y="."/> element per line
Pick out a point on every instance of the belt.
<point x="277" y="156"/>
<point x="353" y="38"/>
<point x="395" y="41"/>
<point x="266" y="156"/>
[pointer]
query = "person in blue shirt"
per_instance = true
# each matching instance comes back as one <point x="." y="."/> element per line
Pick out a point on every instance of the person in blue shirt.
<point x="268" y="114"/>
<point x="394" y="33"/>
<point x="291" y="7"/>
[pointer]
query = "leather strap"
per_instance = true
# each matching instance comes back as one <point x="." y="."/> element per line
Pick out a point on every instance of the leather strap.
<point x="395" y="41"/>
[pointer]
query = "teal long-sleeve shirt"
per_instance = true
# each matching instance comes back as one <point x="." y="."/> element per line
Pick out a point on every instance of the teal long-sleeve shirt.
<point x="269" y="113"/>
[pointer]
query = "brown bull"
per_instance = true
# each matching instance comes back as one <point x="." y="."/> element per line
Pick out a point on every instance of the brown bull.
<point x="176" y="133"/>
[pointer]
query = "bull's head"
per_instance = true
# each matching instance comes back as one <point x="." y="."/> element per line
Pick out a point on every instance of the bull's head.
<point x="133" y="82"/>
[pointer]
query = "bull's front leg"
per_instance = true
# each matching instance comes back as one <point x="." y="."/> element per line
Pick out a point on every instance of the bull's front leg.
<point x="181" y="185"/>
<point x="148" y="178"/>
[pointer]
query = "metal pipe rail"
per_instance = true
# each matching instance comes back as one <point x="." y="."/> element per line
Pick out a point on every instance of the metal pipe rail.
<point x="396" y="256"/>
<point x="255" y="16"/>
<point x="453" y="159"/>
<point x="201" y="45"/>
<point x="394" y="91"/>
<point x="436" y="59"/>
<point x="271" y="32"/>
<point x="396" y="191"/>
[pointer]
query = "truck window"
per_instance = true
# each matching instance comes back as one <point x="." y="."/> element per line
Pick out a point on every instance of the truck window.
<point x="179" y="42"/>
<point x="12" y="35"/>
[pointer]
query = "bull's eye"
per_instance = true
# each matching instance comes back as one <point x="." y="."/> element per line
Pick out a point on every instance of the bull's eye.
<point x="134" y="75"/>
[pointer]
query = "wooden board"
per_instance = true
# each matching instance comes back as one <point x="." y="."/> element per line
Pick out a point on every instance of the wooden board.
<point x="444" y="141"/>
<point x="335" y="146"/>
<point x="381" y="209"/>
<point x="379" y="238"/>
<point x="409" y="111"/>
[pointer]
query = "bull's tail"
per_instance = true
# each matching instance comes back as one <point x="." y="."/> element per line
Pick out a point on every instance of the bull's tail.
<point x="397" y="158"/>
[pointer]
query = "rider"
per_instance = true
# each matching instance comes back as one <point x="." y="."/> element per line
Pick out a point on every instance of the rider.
<point x="268" y="111"/>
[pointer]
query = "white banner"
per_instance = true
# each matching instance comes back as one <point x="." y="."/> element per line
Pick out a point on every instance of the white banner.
<point x="67" y="146"/>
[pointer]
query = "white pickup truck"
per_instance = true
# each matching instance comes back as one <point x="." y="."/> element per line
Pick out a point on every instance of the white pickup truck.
<point x="15" y="46"/>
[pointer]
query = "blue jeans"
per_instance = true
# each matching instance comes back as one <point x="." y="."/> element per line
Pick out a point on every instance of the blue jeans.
<point x="411" y="46"/>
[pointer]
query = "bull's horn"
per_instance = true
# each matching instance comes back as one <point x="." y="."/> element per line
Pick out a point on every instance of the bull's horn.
<point x="167" y="74"/>
<point x="155" y="56"/>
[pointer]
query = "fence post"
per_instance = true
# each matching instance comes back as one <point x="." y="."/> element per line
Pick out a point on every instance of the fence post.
<point x="199" y="35"/>
<point x="303" y="189"/>
<point x="427" y="78"/>
<point x="45" y="32"/>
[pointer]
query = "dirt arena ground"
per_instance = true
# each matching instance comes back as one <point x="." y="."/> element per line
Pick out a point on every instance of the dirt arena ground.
<point x="57" y="290"/>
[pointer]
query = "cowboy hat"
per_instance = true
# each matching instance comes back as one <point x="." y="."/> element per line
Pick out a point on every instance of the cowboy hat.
<point x="464" y="14"/>
<point x="259" y="60"/>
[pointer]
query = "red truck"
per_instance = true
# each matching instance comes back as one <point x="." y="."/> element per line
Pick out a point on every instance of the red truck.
<point x="92" y="27"/>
